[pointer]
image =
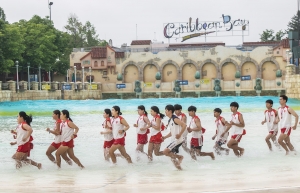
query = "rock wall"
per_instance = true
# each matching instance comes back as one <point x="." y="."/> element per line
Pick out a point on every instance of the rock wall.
<point x="292" y="82"/>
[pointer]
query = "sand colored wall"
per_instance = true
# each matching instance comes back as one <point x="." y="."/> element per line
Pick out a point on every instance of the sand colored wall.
<point x="188" y="72"/>
<point x="131" y="74"/>
<point x="228" y="71"/>
<point x="209" y="71"/>
<point x="169" y="73"/>
<point x="149" y="73"/>
<point x="268" y="71"/>
<point x="249" y="68"/>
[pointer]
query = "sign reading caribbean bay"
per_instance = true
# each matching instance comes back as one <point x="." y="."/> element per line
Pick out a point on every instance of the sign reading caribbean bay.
<point x="227" y="27"/>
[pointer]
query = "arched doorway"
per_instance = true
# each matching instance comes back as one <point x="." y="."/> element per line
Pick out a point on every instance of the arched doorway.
<point x="268" y="70"/>
<point x="169" y="73"/>
<point x="209" y="71"/>
<point x="188" y="72"/>
<point x="131" y="73"/>
<point x="249" y="68"/>
<point x="149" y="73"/>
<point x="228" y="71"/>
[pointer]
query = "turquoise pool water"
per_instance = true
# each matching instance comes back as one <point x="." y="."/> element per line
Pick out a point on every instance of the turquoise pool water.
<point x="258" y="166"/>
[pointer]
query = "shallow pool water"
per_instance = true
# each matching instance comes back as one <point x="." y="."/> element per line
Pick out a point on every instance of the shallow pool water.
<point x="258" y="168"/>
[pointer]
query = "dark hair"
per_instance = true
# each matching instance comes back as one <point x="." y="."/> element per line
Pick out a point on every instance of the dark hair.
<point x="170" y="108"/>
<point x="107" y="111"/>
<point x="177" y="107"/>
<point x="66" y="112"/>
<point x="142" y="107"/>
<point x="192" y="108"/>
<point x="284" y="97"/>
<point x="156" y="109"/>
<point x="269" y="101"/>
<point x="234" y="104"/>
<point x="27" y="118"/>
<point x="57" y="112"/>
<point x="117" y="108"/>
<point x="218" y="110"/>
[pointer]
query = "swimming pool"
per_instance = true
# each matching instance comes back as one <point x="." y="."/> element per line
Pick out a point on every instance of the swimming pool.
<point x="258" y="168"/>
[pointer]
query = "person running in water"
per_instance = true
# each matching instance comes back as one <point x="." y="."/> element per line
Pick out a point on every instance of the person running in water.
<point x="271" y="120"/>
<point x="183" y="118"/>
<point x="285" y="124"/>
<point x="57" y="140"/>
<point x="221" y="127"/>
<point x="237" y="124"/>
<point x="177" y="128"/>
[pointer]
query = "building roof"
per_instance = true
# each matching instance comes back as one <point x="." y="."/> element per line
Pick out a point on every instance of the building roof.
<point x="271" y="43"/>
<point x="99" y="52"/>
<point x="85" y="56"/>
<point x="140" y="42"/>
<point x="198" y="45"/>
<point x="285" y="43"/>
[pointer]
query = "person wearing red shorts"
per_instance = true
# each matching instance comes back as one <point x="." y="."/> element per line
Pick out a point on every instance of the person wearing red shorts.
<point x="183" y="118"/>
<point x="24" y="141"/>
<point x="57" y="140"/>
<point x="155" y="131"/>
<point x="271" y="120"/>
<point x="237" y="124"/>
<point x="119" y="128"/>
<point x="197" y="138"/>
<point x="285" y="124"/>
<point x="68" y="132"/>
<point x="142" y="128"/>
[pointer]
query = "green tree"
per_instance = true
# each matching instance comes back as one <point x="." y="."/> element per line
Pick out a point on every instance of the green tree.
<point x="279" y="35"/>
<point x="294" y="24"/>
<point x="76" y="30"/>
<point x="267" y="35"/>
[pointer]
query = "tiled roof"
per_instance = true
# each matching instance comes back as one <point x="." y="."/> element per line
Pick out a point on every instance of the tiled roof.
<point x="99" y="52"/>
<point x="141" y="42"/>
<point x="273" y="43"/>
<point x="285" y="43"/>
<point x="119" y="55"/>
<point x="197" y="45"/>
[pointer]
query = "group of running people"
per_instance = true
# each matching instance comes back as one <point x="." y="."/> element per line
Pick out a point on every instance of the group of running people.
<point x="115" y="127"/>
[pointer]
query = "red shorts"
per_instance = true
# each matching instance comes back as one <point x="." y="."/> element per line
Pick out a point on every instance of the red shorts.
<point x="197" y="142"/>
<point x="108" y="144"/>
<point x="273" y="132"/>
<point x="25" y="148"/>
<point x="156" y="139"/>
<point x="286" y="131"/>
<point x="56" y="145"/>
<point x="120" y="141"/>
<point x="70" y="143"/>
<point x="237" y="137"/>
<point x="142" y="138"/>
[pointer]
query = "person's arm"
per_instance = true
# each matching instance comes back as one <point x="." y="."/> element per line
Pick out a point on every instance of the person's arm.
<point x="198" y="124"/>
<point x="56" y="131"/>
<point x="29" y="129"/>
<point x="109" y="129"/>
<point x="73" y="126"/>
<point x="126" y="126"/>
<point x="296" y="117"/>
<point x="183" y="127"/>
<point x="13" y="143"/>
<point x="158" y="124"/>
<point x="241" y="119"/>
<point x="228" y="126"/>
<point x="167" y="136"/>
<point x="184" y="119"/>
<point x="264" y="121"/>
<point x="148" y="124"/>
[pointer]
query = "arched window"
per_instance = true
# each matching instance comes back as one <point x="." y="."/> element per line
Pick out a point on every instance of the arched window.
<point x="102" y="63"/>
<point x="95" y="64"/>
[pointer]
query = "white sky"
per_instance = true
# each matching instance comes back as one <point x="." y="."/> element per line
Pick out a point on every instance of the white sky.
<point x="117" y="19"/>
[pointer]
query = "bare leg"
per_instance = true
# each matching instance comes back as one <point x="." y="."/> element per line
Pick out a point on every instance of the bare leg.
<point x="140" y="149"/>
<point x="217" y="149"/>
<point x="66" y="158"/>
<point x="74" y="158"/>
<point x="156" y="150"/>
<point x="289" y="144"/>
<point x="192" y="153"/>
<point x="174" y="158"/>
<point x="150" y="151"/>
<point x="106" y="154"/>
<point x="61" y="150"/>
<point x="49" y="152"/>
<point x="269" y="136"/>
<point x="211" y="154"/>
<point x="184" y="146"/>
<point x="124" y="153"/>
<point x="112" y="155"/>
<point x="19" y="156"/>
<point x="283" y="145"/>
<point x="233" y="144"/>
<point x="275" y="141"/>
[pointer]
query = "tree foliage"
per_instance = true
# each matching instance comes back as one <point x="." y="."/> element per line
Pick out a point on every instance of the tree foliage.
<point x="294" y="24"/>
<point x="268" y="35"/>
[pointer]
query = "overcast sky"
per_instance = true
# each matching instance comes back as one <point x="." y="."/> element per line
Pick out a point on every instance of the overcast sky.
<point x="117" y="19"/>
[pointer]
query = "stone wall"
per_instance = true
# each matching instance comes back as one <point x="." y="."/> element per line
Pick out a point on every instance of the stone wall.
<point x="292" y="82"/>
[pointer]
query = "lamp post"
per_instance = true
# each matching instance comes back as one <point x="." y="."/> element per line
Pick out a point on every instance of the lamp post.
<point x="75" y="77"/>
<point x="28" y="66"/>
<point x="90" y="69"/>
<point x="17" y="68"/>
<point x="49" y="5"/>
<point x="82" y="77"/>
<point x="40" y="83"/>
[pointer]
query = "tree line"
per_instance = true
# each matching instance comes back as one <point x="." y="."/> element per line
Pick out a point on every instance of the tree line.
<point x="37" y="42"/>
<point x="269" y="34"/>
